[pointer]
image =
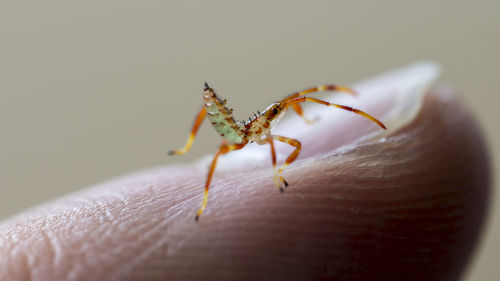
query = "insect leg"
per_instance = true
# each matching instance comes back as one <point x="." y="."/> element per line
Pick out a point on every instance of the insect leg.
<point x="298" y="109"/>
<point x="196" y="125"/>
<point x="291" y="157"/>
<point x="273" y="158"/>
<point x="223" y="149"/>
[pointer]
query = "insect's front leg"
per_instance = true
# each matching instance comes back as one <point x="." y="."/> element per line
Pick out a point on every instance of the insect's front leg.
<point x="223" y="149"/>
<point x="196" y="125"/>
<point x="298" y="109"/>
<point x="290" y="157"/>
<point x="276" y="176"/>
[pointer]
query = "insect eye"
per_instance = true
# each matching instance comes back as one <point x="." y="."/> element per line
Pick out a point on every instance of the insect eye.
<point x="275" y="110"/>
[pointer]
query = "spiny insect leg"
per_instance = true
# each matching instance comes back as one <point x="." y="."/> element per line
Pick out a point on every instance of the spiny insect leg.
<point x="223" y="149"/>
<point x="290" y="157"/>
<point x="196" y="125"/>
<point x="298" y="109"/>
<point x="276" y="177"/>
<point x="344" y="107"/>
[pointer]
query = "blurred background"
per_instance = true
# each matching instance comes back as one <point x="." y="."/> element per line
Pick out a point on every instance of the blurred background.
<point x="91" y="90"/>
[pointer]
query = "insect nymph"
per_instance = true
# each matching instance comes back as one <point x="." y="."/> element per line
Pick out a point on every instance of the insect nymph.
<point x="237" y="134"/>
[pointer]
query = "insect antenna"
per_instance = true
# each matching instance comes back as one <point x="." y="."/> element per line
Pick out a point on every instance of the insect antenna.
<point x="348" y="108"/>
<point x="334" y="88"/>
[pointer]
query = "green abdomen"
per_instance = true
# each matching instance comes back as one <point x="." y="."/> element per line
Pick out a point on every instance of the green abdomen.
<point x="225" y="125"/>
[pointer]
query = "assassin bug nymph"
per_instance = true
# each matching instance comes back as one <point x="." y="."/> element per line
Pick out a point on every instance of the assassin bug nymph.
<point x="237" y="134"/>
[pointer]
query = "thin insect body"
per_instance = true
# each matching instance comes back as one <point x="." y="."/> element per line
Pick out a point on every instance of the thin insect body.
<point x="237" y="134"/>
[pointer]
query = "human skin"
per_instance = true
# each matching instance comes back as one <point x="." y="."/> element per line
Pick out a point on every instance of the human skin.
<point x="410" y="207"/>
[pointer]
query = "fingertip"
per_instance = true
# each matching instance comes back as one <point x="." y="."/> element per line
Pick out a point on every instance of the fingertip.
<point x="409" y="208"/>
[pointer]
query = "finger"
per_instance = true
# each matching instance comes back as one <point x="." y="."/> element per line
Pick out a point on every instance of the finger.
<point x="407" y="208"/>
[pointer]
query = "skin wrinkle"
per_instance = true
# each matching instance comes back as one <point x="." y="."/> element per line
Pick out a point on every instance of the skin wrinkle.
<point x="158" y="242"/>
<point x="122" y="271"/>
<point x="27" y="267"/>
<point x="101" y="237"/>
<point x="52" y="253"/>
<point x="145" y="233"/>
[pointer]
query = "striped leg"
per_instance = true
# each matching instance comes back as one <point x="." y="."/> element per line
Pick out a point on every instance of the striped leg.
<point x="276" y="177"/>
<point x="196" y="125"/>
<point x="223" y="149"/>
<point x="298" y="109"/>
<point x="290" y="158"/>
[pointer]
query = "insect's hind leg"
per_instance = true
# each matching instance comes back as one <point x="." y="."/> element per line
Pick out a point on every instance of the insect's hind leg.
<point x="194" y="129"/>
<point x="293" y="142"/>
<point x="223" y="149"/>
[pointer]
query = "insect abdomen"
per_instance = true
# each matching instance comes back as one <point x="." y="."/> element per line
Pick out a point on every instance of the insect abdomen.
<point x="224" y="123"/>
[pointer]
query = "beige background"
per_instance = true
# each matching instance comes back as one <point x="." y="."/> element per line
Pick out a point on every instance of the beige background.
<point x="95" y="89"/>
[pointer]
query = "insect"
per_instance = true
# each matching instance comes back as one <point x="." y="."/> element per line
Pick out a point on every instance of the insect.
<point x="237" y="134"/>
